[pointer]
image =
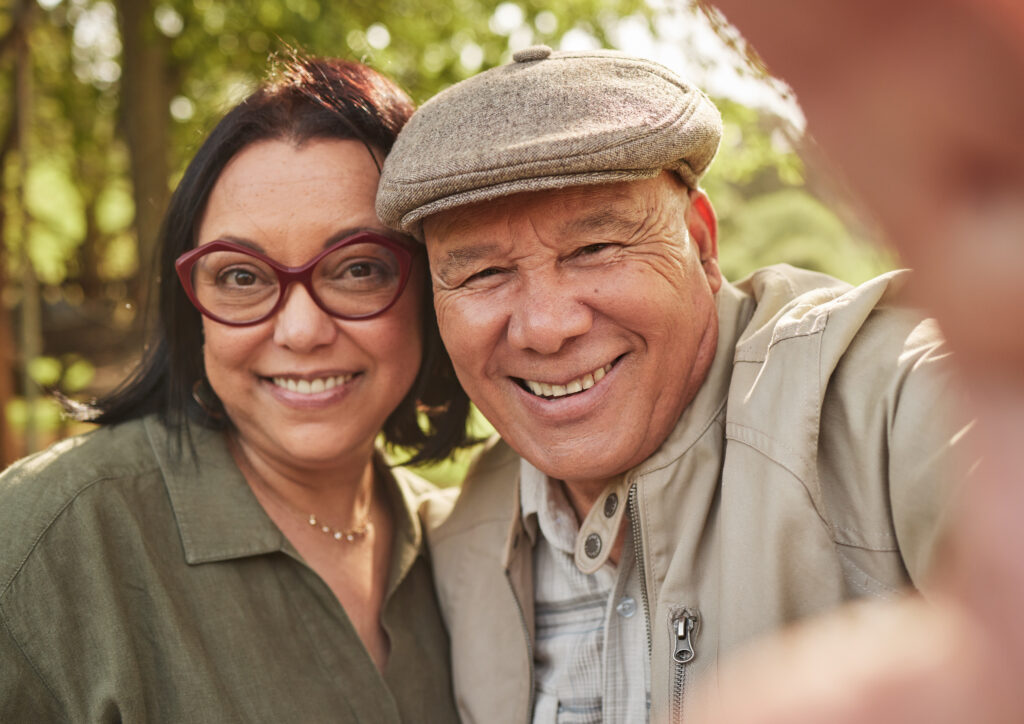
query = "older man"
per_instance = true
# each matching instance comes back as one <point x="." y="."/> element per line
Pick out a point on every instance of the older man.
<point x="686" y="463"/>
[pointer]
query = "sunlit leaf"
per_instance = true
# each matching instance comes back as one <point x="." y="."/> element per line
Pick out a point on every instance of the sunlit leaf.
<point x="45" y="371"/>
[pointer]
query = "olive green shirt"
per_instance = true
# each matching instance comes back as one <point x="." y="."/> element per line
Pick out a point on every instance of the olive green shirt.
<point x="139" y="586"/>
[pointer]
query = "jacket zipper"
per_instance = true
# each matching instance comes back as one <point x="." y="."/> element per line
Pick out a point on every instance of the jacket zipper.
<point x="638" y="548"/>
<point x="684" y="631"/>
<point x="529" y="646"/>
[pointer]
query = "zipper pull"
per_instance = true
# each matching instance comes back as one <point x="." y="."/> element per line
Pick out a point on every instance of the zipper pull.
<point x="686" y="627"/>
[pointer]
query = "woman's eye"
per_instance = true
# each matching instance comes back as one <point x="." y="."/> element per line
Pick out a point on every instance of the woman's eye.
<point x="237" y="277"/>
<point x="362" y="270"/>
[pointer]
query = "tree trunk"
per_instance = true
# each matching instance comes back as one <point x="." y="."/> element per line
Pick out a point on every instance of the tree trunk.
<point x="8" y="361"/>
<point x="146" y="93"/>
<point x="30" y="337"/>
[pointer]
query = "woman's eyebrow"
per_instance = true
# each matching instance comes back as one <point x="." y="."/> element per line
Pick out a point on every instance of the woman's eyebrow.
<point x="241" y="242"/>
<point x="352" y="231"/>
<point x="332" y="239"/>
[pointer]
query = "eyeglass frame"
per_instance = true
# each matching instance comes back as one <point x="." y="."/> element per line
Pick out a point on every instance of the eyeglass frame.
<point x="404" y="250"/>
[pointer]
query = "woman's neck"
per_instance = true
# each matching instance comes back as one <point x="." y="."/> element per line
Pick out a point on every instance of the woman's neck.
<point x="339" y="496"/>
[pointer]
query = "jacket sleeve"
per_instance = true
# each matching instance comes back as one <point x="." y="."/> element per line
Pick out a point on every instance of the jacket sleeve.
<point x="24" y="696"/>
<point x="928" y="432"/>
<point x="892" y="435"/>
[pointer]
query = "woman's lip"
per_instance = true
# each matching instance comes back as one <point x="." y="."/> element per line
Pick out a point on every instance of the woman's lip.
<point x="310" y="384"/>
<point x="324" y="397"/>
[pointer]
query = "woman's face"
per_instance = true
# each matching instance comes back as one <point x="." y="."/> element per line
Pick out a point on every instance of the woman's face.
<point x="306" y="390"/>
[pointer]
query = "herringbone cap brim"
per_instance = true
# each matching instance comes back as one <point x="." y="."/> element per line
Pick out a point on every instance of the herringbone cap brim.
<point x="547" y="120"/>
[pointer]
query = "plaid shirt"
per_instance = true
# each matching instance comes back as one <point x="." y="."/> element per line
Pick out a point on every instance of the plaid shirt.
<point x="590" y="656"/>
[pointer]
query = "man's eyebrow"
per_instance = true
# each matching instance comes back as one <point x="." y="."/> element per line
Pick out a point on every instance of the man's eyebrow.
<point x="461" y="257"/>
<point x="606" y="221"/>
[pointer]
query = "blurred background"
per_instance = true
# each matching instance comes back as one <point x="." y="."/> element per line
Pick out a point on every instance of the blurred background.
<point x="102" y="103"/>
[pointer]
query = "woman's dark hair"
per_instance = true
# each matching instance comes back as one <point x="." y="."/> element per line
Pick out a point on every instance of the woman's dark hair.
<point x="307" y="98"/>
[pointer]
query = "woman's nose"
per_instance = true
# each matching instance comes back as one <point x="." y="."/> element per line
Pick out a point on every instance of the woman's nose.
<point x="300" y="324"/>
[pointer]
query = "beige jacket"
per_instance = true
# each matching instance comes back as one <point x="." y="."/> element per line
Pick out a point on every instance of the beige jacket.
<point x="810" y="469"/>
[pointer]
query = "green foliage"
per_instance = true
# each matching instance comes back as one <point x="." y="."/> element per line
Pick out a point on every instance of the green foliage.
<point x="791" y="225"/>
<point x="766" y="212"/>
<point x="78" y="375"/>
<point x="45" y="414"/>
<point x="79" y="209"/>
<point x="451" y="471"/>
<point x="44" y="371"/>
<point x="69" y="374"/>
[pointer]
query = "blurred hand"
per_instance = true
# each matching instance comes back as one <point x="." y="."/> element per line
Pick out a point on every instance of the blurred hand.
<point x="919" y="103"/>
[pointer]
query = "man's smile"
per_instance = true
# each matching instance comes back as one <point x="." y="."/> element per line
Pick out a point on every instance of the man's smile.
<point x="583" y="382"/>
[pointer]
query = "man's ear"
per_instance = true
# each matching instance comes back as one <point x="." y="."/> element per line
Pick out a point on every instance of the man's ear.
<point x="702" y="223"/>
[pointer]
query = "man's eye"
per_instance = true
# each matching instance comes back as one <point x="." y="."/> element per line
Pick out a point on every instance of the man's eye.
<point x="591" y="249"/>
<point x="484" y="274"/>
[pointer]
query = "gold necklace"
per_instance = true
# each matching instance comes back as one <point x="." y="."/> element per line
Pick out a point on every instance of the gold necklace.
<point x="357" y="532"/>
<point x="348" y="535"/>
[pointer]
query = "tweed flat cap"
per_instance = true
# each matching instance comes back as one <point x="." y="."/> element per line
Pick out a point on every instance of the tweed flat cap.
<point x="547" y="120"/>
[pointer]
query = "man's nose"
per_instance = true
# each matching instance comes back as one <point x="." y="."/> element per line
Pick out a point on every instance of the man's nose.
<point x="547" y="314"/>
<point x="300" y="324"/>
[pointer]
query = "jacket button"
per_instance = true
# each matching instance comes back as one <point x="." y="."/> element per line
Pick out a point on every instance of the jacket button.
<point x="611" y="504"/>
<point x="534" y="52"/>
<point x="592" y="546"/>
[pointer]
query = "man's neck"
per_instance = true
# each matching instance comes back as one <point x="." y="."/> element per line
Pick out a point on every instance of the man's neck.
<point x="582" y="494"/>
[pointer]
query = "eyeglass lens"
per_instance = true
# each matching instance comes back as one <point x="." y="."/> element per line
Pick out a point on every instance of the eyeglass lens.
<point x="355" y="280"/>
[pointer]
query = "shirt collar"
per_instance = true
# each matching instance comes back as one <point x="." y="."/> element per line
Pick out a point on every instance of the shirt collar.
<point x="408" y="530"/>
<point x="220" y="519"/>
<point x="218" y="516"/>
<point x="543" y="497"/>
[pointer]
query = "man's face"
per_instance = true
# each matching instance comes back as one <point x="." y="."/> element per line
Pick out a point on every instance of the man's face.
<point x="581" y="321"/>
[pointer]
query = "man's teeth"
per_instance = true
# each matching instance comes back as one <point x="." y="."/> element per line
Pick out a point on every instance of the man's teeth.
<point x="543" y="389"/>
<point x="310" y="387"/>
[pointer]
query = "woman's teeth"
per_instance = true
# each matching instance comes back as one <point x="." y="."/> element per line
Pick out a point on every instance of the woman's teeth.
<point x="543" y="389"/>
<point x="311" y="387"/>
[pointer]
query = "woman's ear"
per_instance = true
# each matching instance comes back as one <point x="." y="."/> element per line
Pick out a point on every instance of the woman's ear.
<point x="702" y="224"/>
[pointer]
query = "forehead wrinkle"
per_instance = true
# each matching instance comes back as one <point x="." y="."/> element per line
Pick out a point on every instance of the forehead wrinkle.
<point x="614" y="223"/>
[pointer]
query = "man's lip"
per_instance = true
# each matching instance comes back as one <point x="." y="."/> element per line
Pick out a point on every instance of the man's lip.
<point x="553" y="391"/>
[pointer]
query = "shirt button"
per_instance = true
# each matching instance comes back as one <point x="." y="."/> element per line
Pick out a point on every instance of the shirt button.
<point x="611" y="503"/>
<point x="592" y="546"/>
<point x="626" y="607"/>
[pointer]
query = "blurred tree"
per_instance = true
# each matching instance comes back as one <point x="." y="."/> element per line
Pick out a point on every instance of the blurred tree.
<point x="125" y="90"/>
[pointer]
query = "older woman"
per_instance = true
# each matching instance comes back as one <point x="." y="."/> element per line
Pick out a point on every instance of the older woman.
<point x="229" y="545"/>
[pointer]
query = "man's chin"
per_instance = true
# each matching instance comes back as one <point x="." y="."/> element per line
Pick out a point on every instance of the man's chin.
<point x="588" y="466"/>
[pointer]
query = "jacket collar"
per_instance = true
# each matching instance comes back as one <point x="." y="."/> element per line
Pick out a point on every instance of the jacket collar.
<point x="734" y="313"/>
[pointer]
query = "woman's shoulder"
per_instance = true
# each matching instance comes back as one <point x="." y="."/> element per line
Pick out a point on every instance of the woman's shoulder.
<point x="59" y="482"/>
<point x="69" y="465"/>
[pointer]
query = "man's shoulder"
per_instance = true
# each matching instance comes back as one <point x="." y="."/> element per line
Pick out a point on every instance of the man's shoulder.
<point x="794" y="303"/>
<point x="487" y="495"/>
<point x="40" y="489"/>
